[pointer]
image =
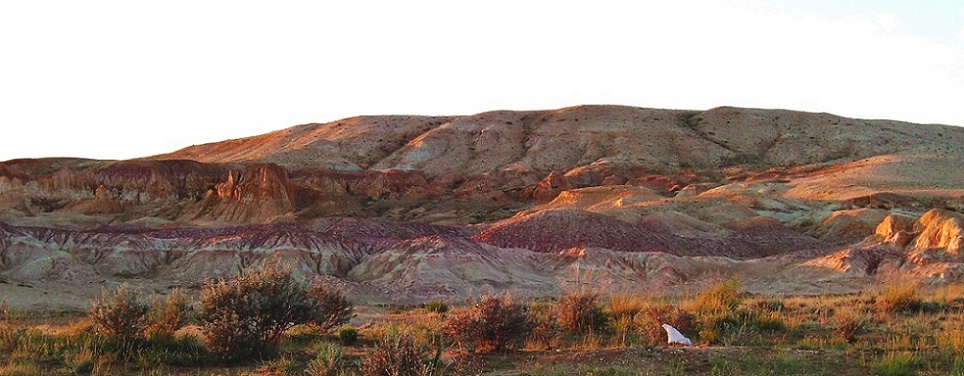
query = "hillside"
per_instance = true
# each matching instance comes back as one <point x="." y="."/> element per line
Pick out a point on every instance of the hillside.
<point x="410" y="207"/>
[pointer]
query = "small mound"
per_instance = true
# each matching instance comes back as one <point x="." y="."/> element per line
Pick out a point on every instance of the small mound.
<point x="849" y="226"/>
<point x="865" y="261"/>
<point x="601" y="199"/>
<point x="773" y="239"/>
<point x="558" y="230"/>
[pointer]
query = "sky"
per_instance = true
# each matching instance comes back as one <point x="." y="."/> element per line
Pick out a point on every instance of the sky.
<point x="125" y="79"/>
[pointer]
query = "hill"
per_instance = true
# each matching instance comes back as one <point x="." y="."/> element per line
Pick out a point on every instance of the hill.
<point x="419" y="206"/>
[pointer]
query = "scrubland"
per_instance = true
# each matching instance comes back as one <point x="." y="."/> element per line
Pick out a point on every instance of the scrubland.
<point x="268" y="322"/>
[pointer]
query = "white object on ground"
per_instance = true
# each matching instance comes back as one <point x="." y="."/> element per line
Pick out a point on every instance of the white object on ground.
<point x="675" y="336"/>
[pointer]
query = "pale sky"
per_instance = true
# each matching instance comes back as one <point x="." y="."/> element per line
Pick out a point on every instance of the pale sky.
<point x="124" y="79"/>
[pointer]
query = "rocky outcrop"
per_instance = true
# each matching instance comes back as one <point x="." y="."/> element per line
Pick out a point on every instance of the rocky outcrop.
<point x="253" y="193"/>
<point x="895" y="229"/>
<point x="547" y="189"/>
<point x="939" y="229"/>
<point x="851" y="226"/>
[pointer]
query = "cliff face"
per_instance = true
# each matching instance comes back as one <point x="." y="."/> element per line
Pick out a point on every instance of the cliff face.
<point x="518" y="200"/>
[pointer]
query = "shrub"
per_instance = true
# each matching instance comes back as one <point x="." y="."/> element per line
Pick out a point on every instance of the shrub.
<point x="81" y="362"/>
<point x="769" y="322"/>
<point x="121" y="315"/>
<point x="625" y="306"/>
<point x="847" y="326"/>
<point x="651" y="319"/>
<point x="716" y="311"/>
<point x="722" y="298"/>
<point x="328" y="360"/>
<point x="333" y="308"/>
<point x="493" y="323"/>
<point x="19" y="369"/>
<point x="246" y="316"/>
<point x="897" y="364"/>
<point x="770" y="305"/>
<point x="10" y="337"/>
<point x="437" y="306"/>
<point x="348" y="335"/>
<point x="899" y="299"/>
<point x="400" y="356"/>
<point x="580" y="312"/>
<point x="170" y="317"/>
<point x="544" y="328"/>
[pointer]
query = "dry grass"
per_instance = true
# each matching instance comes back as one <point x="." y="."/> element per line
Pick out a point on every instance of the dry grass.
<point x="624" y="305"/>
<point x="853" y="334"/>
<point x="899" y="298"/>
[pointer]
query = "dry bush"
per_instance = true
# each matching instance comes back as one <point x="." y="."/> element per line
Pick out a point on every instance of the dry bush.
<point x="649" y="323"/>
<point x="716" y="310"/>
<point x="169" y="317"/>
<point x="121" y="315"/>
<point x="580" y="312"/>
<point x="246" y="316"/>
<point x="10" y="335"/>
<point x="722" y="298"/>
<point x="950" y="340"/>
<point x="847" y="326"/>
<point x="544" y="328"/>
<point x="899" y="298"/>
<point x="494" y="323"/>
<point x="333" y="308"/>
<point x="400" y="356"/>
<point x="628" y="306"/>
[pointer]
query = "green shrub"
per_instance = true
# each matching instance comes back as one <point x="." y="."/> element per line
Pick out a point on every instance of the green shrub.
<point x="580" y="313"/>
<point x="246" y="316"/>
<point x="120" y="315"/>
<point x="897" y="364"/>
<point x="400" y="356"/>
<point x="348" y="335"/>
<point x="333" y="308"/>
<point x="494" y="323"/>
<point x="328" y="360"/>
<point x="437" y="306"/>
<point x="724" y="367"/>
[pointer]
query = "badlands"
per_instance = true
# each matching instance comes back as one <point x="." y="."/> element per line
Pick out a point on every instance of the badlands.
<point x="403" y="209"/>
